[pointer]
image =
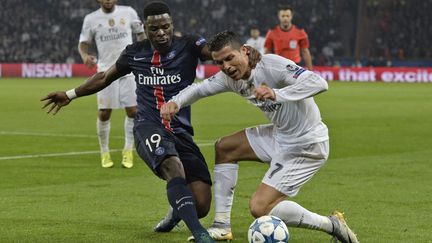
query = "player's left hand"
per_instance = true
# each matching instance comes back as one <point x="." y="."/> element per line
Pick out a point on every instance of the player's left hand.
<point x="254" y="56"/>
<point x="168" y="110"/>
<point x="264" y="92"/>
<point x="57" y="100"/>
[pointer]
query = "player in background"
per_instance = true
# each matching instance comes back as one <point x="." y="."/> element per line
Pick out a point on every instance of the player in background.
<point x="287" y="40"/>
<point x="163" y="65"/>
<point x="295" y="144"/>
<point x="256" y="41"/>
<point x="111" y="28"/>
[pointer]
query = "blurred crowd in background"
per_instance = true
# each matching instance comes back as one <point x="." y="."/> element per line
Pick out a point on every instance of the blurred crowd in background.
<point x="364" y="32"/>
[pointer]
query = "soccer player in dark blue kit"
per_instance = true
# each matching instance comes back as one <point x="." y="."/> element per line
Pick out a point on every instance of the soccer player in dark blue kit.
<point x="163" y="65"/>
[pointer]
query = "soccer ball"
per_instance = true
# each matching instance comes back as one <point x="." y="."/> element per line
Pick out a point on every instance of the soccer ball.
<point x="268" y="229"/>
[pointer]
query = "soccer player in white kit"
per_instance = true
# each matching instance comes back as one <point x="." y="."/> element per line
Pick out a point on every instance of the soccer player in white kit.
<point x="111" y="28"/>
<point x="295" y="144"/>
<point x="256" y="41"/>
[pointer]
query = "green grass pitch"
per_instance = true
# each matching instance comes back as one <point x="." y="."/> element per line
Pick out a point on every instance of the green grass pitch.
<point x="52" y="188"/>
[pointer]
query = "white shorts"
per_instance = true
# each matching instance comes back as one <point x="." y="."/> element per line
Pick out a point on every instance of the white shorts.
<point x="119" y="94"/>
<point x="291" y="166"/>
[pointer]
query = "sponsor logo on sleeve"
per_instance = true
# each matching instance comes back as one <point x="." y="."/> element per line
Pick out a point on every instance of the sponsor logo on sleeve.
<point x="292" y="68"/>
<point x="295" y="69"/>
<point x="200" y="41"/>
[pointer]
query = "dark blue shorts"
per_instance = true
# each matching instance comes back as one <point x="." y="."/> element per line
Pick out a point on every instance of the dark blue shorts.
<point x="154" y="144"/>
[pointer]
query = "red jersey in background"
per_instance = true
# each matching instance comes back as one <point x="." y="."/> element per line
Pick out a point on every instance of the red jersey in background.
<point x="287" y="43"/>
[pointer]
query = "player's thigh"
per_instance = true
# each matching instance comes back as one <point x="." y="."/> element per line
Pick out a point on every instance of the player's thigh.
<point x="261" y="139"/>
<point x="234" y="147"/>
<point x="264" y="200"/>
<point x="127" y="94"/>
<point x="154" y="144"/>
<point x="108" y="98"/>
<point x="293" y="166"/>
<point x="193" y="161"/>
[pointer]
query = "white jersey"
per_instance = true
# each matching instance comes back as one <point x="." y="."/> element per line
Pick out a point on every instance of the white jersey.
<point x="257" y="43"/>
<point x="112" y="32"/>
<point x="294" y="112"/>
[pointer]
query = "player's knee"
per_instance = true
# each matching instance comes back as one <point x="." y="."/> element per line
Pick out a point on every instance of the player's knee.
<point x="222" y="151"/>
<point x="131" y="112"/>
<point x="203" y="209"/>
<point x="171" y="167"/>
<point x="258" y="208"/>
<point x="104" y="114"/>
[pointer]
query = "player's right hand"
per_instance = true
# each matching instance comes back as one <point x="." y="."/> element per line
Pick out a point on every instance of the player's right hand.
<point x="57" y="100"/>
<point x="263" y="92"/>
<point x="169" y="110"/>
<point x="90" y="61"/>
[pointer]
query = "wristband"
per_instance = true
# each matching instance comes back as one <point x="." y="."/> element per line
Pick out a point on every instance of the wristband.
<point x="71" y="94"/>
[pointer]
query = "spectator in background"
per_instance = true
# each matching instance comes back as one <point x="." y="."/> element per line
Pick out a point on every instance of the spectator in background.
<point x="111" y="28"/>
<point x="287" y="40"/>
<point x="255" y="40"/>
<point x="401" y="25"/>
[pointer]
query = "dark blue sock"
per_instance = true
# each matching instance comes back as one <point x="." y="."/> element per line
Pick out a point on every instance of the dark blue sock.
<point x="181" y="199"/>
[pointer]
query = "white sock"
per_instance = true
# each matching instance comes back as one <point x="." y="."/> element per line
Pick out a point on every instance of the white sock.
<point x="295" y="215"/>
<point x="128" y="130"/>
<point x="103" y="131"/>
<point x="225" y="180"/>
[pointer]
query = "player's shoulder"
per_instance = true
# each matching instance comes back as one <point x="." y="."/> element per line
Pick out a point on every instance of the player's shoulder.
<point x="298" y="29"/>
<point x="192" y="38"/>
<point x="273" y="30"/>
<point x="273" y="58"/>
<point x="138" y="46"/>
<point x="93" y="15"/>
<point x="189" y="41"/>
<point x="274" y="61"/>
<point x="124" y="8"/>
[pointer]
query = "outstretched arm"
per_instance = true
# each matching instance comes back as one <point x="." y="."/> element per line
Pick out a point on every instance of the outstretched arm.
<point x="295" y="83"/>
<point x="211" y="86"/>
<point x="308" y="84"/>
<point x="56" y="100"/>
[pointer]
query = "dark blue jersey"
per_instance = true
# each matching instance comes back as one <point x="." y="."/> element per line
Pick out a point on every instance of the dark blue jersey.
<point x="161" y="76"/>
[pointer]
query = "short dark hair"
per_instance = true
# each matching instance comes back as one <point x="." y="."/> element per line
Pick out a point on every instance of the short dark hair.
<point x="254" y="27"/>
<point x="224" y="38"/>
<point x="156" y="8"/>
<point x="286" y="7"/>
